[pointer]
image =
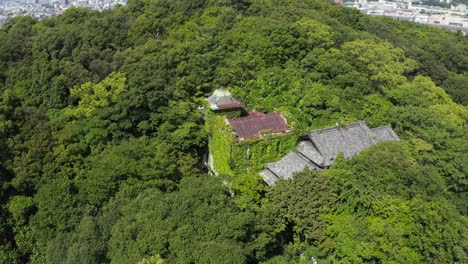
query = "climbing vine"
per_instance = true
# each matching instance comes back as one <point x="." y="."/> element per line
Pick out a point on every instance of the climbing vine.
<point x="234" y="158"/>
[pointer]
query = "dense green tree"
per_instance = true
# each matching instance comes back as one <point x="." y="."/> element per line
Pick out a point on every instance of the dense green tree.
<point x="301" y="204"/>
<point x="199" y="224"/>
<point x="456" y="86"/>
<point x="102" y="141"/>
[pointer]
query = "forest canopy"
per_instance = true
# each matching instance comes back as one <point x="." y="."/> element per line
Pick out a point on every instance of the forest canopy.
<point x="102" y="141"/>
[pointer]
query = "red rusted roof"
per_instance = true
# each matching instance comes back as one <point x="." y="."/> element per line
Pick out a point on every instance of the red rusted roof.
<point x="249" y="126"/>
<point x="234" y="103"/>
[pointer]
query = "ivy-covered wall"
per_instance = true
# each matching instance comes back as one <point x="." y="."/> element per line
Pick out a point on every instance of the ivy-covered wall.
<point x="252" y="156"/>
<point x="233" y="158"/>
<point x="220" y="147"/>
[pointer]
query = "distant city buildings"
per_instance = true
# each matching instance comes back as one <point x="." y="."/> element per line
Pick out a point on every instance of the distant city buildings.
<point x="455" y="18"/>
<point x="47" y="8"/>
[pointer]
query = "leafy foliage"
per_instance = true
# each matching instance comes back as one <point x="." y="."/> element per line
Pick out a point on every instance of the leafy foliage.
<point x="102" y="142"/>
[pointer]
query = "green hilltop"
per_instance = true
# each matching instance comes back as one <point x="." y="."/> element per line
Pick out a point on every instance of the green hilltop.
<point x="102" y="140"/>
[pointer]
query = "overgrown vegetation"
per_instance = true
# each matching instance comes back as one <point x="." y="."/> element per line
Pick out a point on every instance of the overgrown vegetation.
<point x="101" y="140"/>
<point x="233" y="157"/>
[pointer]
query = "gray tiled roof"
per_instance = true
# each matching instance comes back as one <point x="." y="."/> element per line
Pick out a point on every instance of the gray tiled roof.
<point x="269" y="177"/>
<point x="384" y="133"/>
<point x="308" y="150"/>
<point x="348" y="140"/>
<point x="286" y="167"/>
<point x="324" y="145"/>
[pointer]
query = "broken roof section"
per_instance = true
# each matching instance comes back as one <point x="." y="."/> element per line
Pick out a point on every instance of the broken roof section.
<point x="221" y="99"/>
<point x="256" y="122"/>
<point x="324" y="145"/>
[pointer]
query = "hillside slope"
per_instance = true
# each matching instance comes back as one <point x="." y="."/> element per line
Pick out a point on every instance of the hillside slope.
<point x="101" y="140"/>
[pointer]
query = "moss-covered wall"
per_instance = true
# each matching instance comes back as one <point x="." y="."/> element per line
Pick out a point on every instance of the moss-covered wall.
<point x="233" y="158"/>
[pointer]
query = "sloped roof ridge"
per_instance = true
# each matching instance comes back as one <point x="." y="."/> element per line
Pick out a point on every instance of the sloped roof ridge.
<point x="221" y="99"/>
<point x="381" y="127"/>
<point x="221" y="91"/>
<point x="378" y="136"/>
<point x="303" y="143"/>
<point x="256" y="115"/>
<point x="289" y="164"/>
<point x="302" y="156"/>
<point x="269" y="176"/>
<point x="328" y="146"/>
<point x="328" y="129"/>
<point x="268" y="165"/>
<point x="329" y="151"/>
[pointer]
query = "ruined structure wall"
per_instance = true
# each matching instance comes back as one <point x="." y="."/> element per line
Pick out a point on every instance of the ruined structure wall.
<point x="232" y="157"/>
